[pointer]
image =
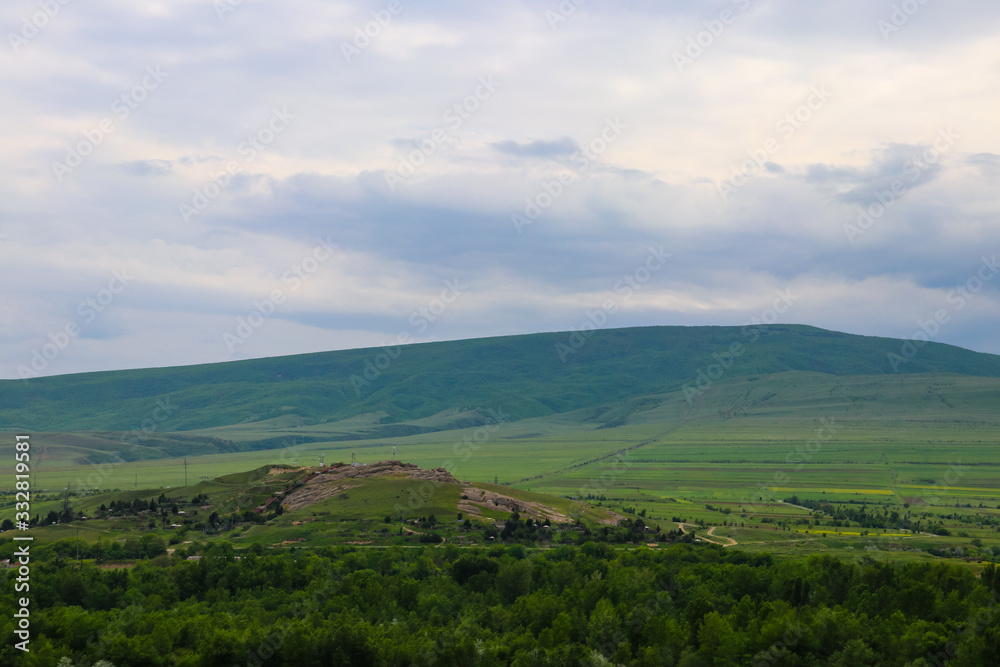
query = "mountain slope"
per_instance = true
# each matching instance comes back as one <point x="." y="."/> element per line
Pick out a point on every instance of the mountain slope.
<point x="529" y="375"/>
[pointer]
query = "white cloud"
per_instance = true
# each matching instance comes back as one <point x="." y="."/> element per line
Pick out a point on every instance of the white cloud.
<point x="656" y="183"/>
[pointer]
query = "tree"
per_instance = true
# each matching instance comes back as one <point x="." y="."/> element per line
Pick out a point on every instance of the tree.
<point x="604" y="628"/>
<point x="720" y="644"/>
<point x="514" y="579"/>
<point x="856" y="653"/>
<point x="152" y="545"/>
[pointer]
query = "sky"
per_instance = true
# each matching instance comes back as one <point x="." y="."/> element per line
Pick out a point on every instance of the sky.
<point x="199" y="181"/>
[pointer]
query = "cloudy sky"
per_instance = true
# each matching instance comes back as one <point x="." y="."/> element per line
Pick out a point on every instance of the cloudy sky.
<point x="186" y="181"/>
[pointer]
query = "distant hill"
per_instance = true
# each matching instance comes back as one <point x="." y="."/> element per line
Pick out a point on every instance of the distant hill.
<point x="528" y="375"/>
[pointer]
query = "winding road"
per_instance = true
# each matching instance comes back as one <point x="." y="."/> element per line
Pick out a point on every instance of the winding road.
<point x="710" y="533"/>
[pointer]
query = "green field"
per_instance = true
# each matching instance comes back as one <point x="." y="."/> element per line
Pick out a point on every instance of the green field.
<point x="437" y="386"/>
<point x="923" y="446"/>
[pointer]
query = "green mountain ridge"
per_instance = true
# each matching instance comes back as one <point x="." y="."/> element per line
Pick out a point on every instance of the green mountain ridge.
<point x="524" y="376"/>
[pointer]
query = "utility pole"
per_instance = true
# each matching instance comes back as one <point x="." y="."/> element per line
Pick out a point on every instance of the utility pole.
<point x="66" y="502"/>
<point x="185" y="471"/>
<point x="34" y="469"/>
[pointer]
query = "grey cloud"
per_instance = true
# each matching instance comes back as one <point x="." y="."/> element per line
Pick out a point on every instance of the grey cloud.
<point x="556" y="148"/>
<point x="894" y="162"/>
<point x="568" y="253"/>
<point x="147" y="167"/>
<point x="988" y="163"/>
<point x="453" y="218"/>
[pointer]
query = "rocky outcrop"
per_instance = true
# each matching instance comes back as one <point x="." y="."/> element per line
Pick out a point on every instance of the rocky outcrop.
<point x="328" y="482"/>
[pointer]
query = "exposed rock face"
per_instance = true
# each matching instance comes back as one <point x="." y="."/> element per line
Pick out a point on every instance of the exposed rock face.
<point x="475" y="500"/>
<point x="382" y="469"/>
<point x="328" y="482"/>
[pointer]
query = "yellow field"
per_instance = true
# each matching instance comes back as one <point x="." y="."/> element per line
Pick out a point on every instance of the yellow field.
<point x="831" y="531"/>
<point x="994" y="492"/>
<point x="873" y="492"/>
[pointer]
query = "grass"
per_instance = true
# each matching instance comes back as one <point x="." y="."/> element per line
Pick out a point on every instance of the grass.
<point x="374" y="511"/>
<point x="911" y="443"/>
<point x="453" y="382"/>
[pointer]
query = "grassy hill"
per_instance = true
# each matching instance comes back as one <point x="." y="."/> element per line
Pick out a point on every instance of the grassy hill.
<point x="358" y="506"/>
<point x="453" y="384"/>
<point x="658" y="421"/>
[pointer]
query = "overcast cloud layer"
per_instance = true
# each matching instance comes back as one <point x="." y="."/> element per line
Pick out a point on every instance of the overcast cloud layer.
<point x="477" y="169"/>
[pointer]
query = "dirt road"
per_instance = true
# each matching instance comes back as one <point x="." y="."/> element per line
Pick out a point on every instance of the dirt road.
<point x="732" y="542"/>
<point x="711" y="533"/>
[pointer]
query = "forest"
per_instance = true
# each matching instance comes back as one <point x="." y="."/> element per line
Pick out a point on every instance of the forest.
<point x="592" y="604"/>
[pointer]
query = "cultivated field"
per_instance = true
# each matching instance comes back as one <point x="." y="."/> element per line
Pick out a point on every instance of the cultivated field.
<point x="921" y="446"/>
